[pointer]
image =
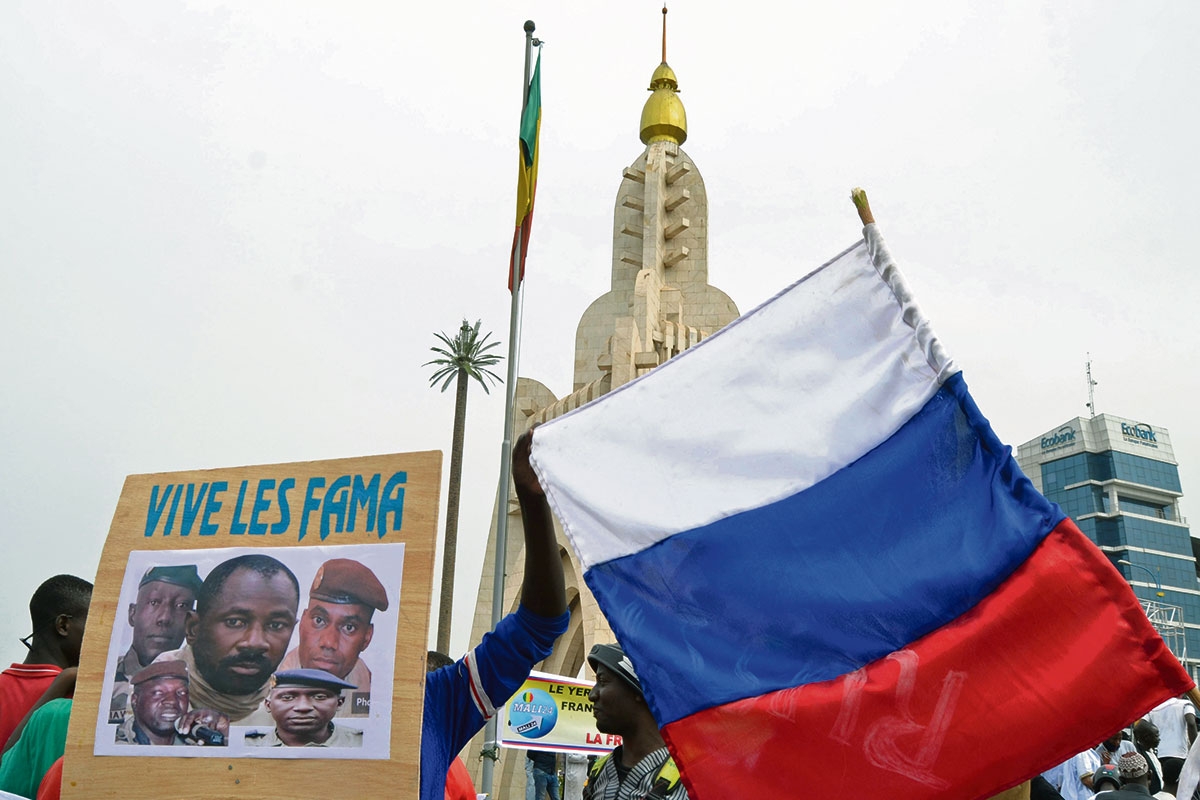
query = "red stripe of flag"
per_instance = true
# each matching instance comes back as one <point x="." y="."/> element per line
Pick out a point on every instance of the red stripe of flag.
<point x="1061" y="642"/>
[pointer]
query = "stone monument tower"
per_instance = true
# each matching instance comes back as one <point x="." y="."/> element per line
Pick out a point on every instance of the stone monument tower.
<point x="659" y="304"/>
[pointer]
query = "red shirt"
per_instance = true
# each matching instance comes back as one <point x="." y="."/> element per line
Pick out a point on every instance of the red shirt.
<point x="20" y="687"/>
<point x="458" y="782"/>
<point x="51" y="786"/>
<point x="52" y="782"/>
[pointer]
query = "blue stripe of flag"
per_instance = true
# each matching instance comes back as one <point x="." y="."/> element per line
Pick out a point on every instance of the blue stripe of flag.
<point x="885" y="550"/>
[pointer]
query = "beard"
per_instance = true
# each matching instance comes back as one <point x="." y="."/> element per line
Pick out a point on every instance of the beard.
<point x="221" y="676"/>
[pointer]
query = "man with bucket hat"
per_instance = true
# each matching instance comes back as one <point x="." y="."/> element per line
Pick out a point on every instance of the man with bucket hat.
<point x="641" y="766"/>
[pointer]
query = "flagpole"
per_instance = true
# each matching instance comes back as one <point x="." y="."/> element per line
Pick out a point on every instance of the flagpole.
<point x="490" y="753"/>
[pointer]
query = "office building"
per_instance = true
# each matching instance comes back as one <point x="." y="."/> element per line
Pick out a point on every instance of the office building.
<point x="1118" y="479"/>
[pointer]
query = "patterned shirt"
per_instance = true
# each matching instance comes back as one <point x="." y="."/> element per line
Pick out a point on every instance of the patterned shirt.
<point x="128" y="665"/>
<point x="637" y="782"/>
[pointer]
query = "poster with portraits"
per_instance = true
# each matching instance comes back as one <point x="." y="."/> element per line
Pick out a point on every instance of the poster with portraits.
<point x="254" y="629"/>
<point x="236" y="652"/>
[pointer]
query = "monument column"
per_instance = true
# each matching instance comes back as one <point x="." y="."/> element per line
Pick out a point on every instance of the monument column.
<point x="659" y="304"/>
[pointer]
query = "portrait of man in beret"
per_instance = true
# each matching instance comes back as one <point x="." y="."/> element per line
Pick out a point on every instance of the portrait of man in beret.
<point x="336" y="627"/>
<point x="160" y="711"/>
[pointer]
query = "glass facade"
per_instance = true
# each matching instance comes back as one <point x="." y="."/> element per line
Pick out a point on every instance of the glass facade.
<point x="1141" y="529"/>
<point x="1106" y="467"/>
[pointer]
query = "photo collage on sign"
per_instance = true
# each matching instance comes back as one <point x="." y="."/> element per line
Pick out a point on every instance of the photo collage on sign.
<point x="283" y="652"/>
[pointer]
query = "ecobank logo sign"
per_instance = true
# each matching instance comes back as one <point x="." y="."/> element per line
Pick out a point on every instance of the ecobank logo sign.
<point x="1139" y="433"/>
<point x="1063" y="437"/>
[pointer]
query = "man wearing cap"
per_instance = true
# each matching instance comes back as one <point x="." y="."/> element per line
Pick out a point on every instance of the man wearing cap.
<point x="461" y="697"/>
<point x="160" y="712"/>
<point x="1135" y="779"/>
<point x="1106" y="778"/>
<point x="639" y="767"/>
<point x="336" y="627"/>
<point x="303" y="703"/>
<point x="165" y="596"/>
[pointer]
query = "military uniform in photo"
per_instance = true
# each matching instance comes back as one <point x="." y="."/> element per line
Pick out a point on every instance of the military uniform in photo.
<point x="340" y="737"/>
<point x="341" y="582"/>
<point x="326" y="734"/>
<point x="129" y="731"/>
<point x="129" y="664"/>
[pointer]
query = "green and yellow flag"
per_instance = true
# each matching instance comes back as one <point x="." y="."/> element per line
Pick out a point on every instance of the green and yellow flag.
<point x="531" y="125"/>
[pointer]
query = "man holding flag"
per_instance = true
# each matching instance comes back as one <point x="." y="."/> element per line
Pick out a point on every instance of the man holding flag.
<point x="461" y="697"/>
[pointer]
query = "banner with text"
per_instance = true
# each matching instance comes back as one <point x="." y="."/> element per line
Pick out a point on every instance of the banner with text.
<point x="553" y="713"/>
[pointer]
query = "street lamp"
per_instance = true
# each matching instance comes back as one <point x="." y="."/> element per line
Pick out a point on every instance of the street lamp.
<point x="1153" y="576"/>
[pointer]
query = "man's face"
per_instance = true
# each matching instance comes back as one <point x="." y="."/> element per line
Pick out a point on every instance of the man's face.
<point x="242" y="638"/>
<point x="614" y="702"/>
<point x="158" y="703"/>
<point x="333" y="634"/>
<point x="158" y="618"/>
<point x="1113" y="742"/>
<point x="303" y="711"/>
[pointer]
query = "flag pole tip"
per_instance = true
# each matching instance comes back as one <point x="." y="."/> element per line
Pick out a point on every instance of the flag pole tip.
<point x="864" y="208"/>
<point x="529" y="26"/>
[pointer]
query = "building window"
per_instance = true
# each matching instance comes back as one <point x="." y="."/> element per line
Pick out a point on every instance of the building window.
<point x="1146" y="508"/>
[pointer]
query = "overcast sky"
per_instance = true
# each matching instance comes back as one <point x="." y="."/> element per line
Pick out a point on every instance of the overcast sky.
<point x="228" y="232"/>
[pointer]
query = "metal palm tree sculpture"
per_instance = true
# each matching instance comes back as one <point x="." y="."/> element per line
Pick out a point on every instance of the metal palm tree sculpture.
<point x="464" y="358"/>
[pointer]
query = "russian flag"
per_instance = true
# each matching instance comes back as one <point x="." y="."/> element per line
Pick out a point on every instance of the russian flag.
<point x="827" y="568"/>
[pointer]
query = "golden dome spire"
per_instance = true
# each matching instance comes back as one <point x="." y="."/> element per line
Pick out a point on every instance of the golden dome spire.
<point x="663" y="117"/>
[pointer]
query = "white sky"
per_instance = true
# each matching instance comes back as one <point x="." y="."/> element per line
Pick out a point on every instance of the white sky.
<point x="228" y="232"/>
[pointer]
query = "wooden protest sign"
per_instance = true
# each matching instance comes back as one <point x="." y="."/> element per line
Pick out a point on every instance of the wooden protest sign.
<point x="313" y="585"/>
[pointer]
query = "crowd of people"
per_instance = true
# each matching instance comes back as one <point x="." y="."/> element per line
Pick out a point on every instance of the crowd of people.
<point x="1143" y="760"/>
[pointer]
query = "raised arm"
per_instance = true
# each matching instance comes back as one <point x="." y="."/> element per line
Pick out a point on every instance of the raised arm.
<point x="543" y="592"/>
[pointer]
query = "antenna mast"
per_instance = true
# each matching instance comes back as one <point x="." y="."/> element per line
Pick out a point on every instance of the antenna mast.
<point x="1091" y="386"/>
